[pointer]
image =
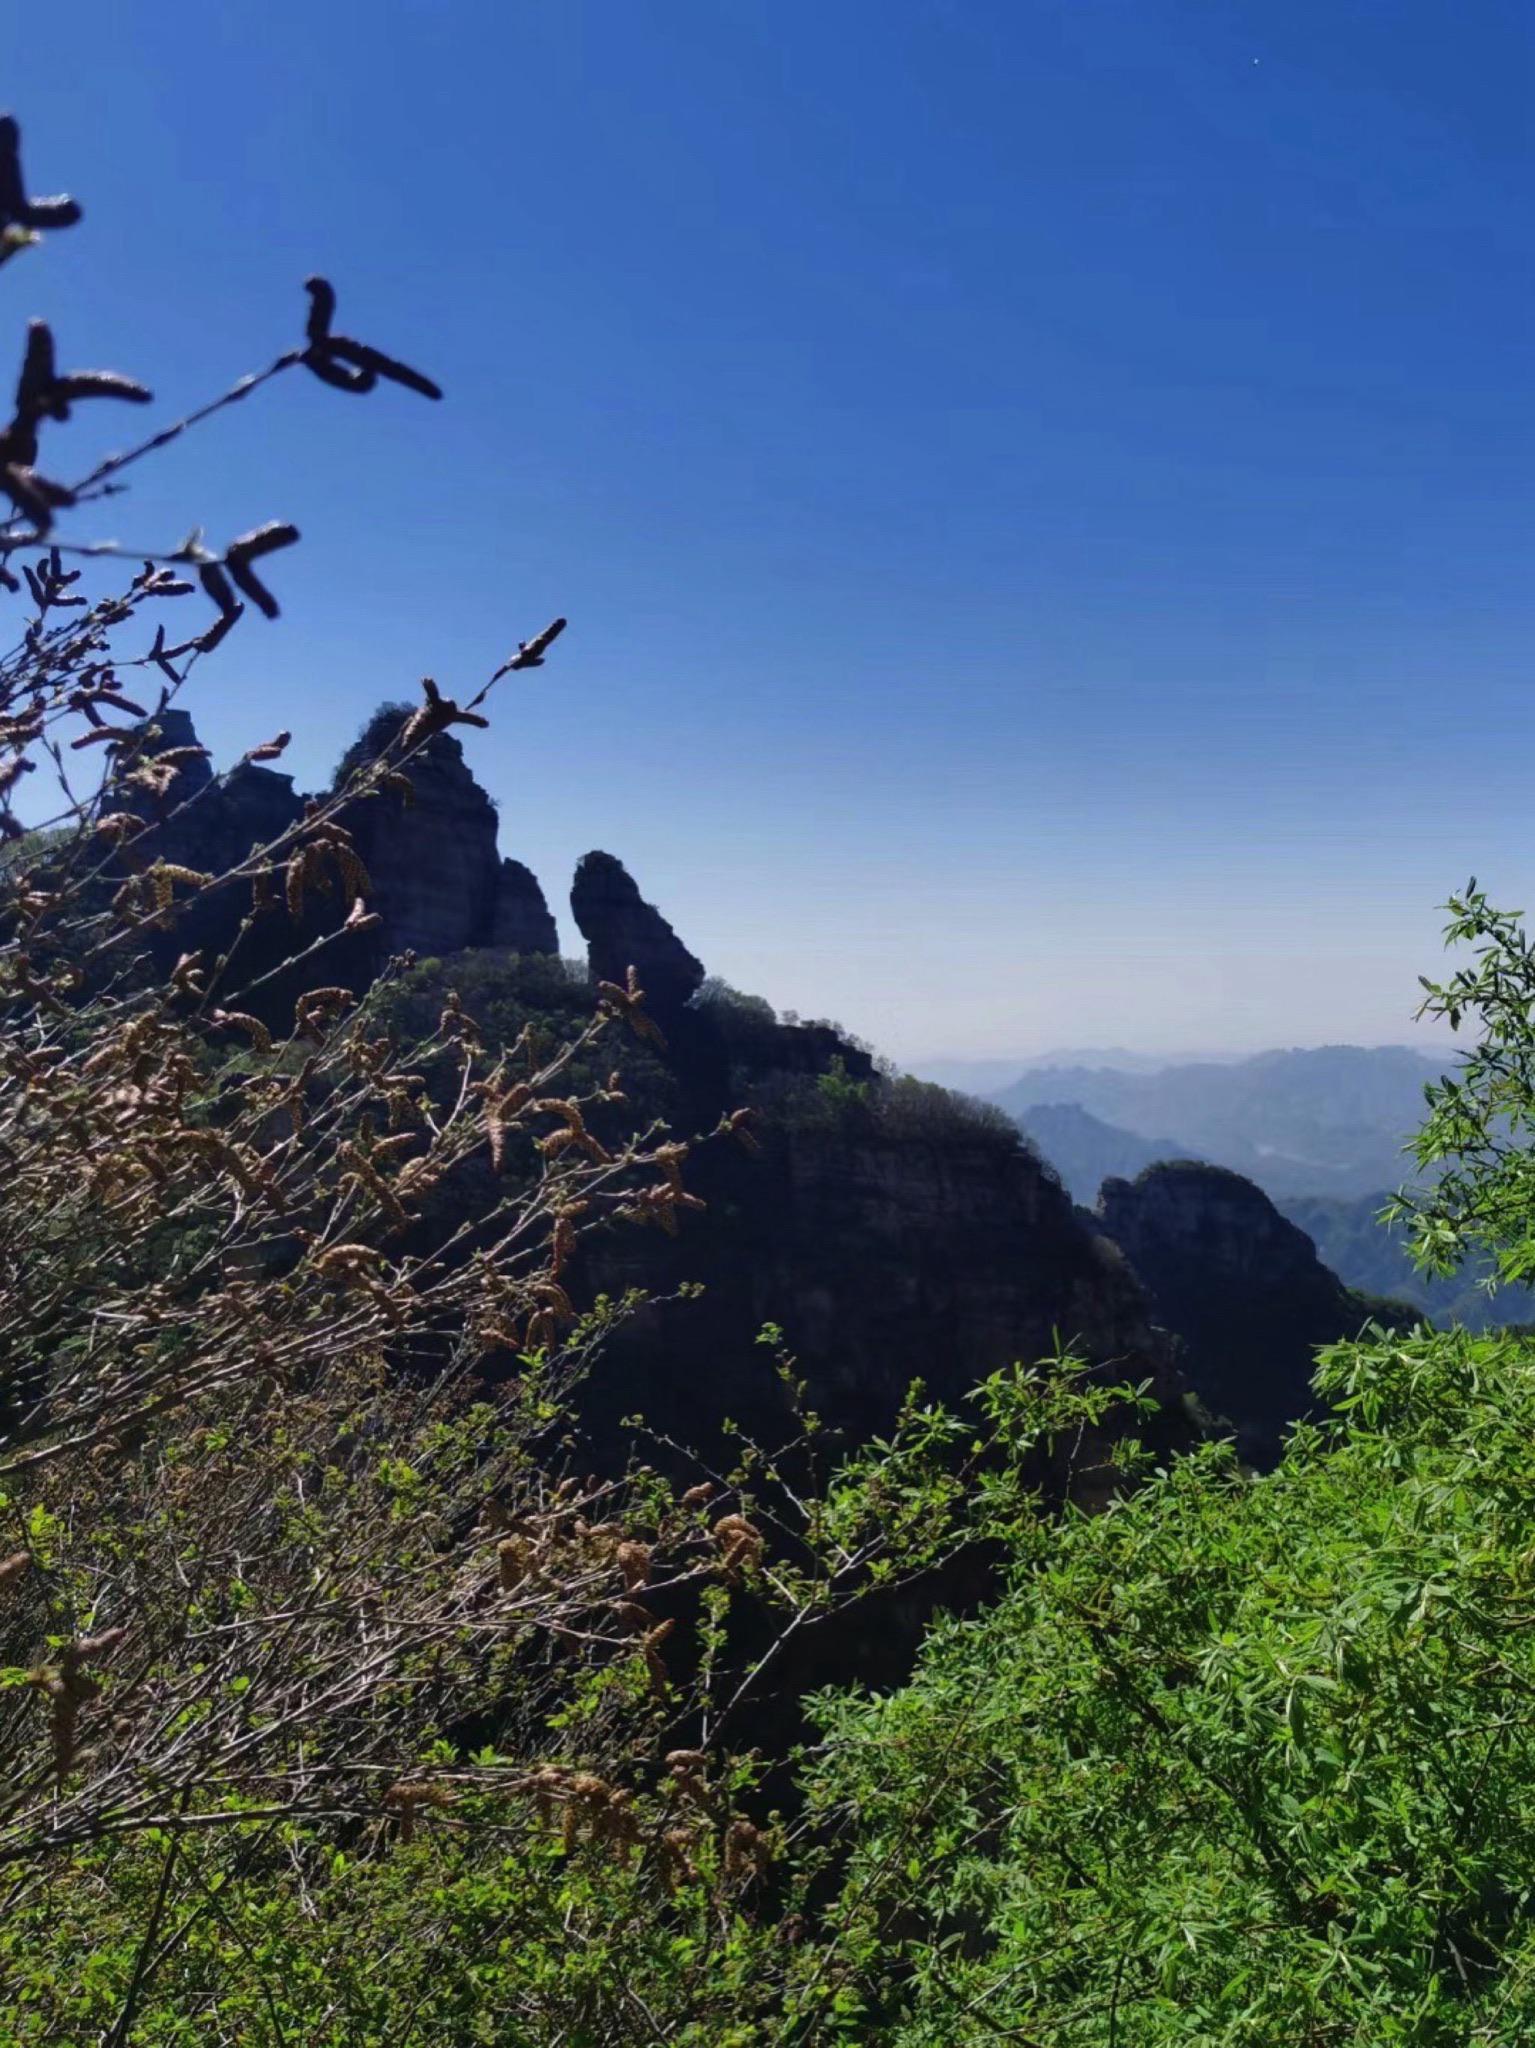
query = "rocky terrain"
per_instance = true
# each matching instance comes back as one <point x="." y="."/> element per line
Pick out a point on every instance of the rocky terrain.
<point x="1241" y="1285"/>
<point x="892" y="1230"/>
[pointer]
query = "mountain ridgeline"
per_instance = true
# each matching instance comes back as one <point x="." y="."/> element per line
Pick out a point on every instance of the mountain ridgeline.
<point x="892" y="1230"/>
<point x="1331" y="1120"/>
<point x="1299" y="1125"/>
<point x="1243" y="1287"/>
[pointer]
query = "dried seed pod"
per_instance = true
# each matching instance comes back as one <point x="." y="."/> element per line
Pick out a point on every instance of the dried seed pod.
<point x="322" y="307"/>
<point x="250" y="585"/>
<point x="340" y="376"/>
<point x="677" y="1865"/>
<point x="222" y="626"/>
<point x="216" y="583"/>
<point x="121" y="703"/>
<point x="38" y="375"/>
<point x="344" y="349"/>
<point x="250" y="547"/>
<point x="740" y="1543"/>
<point x="513" y="1557"/>
<point x="30" y="494"/>
<point x="407" y="1800"/>
<point x="633" y="1560"/>
<point x="355" y="879"/>
<point x="16" y="208"/>
<point x="738" y="1126"/>
<point x="686" y="1763"/>
<point x="530" y="653"/>
<point x="238" y="1020"/>
<point x="633" y="1615"/>
<point x="746" y="1852"/>
<point x="345" y="363"/>
<point x="99" y="384"/>
<point x="650" y="1650"/>
<point x="85" y="1648"/>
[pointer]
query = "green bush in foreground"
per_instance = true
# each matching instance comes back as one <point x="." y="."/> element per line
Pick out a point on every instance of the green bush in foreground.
<point x="1237" y="1761"/>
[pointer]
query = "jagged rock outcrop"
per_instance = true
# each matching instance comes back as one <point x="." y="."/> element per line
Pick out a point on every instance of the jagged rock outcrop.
<point x="622" y="931"/>
<point x="519" y="917"/>
<point x="439" y="883"/>
<point x="892" y="1236"/>
<point x="889" y="1246"/>
<point x="893" y="1231"/>
<point x="172" y="732"/>
<point x="208" y="823"/>
<point x="1241" y="1286"/>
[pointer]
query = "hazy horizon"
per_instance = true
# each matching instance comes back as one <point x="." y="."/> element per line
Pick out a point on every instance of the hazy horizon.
<point x="1036" y="490"/>
<point x="1001" y="1070"/>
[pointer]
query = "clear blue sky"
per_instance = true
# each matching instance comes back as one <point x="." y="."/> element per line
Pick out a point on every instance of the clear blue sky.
<point x="1043" y="489"/>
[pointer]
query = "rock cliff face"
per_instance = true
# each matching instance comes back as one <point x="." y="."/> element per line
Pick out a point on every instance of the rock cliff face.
<point x="438" y="881"/>
<point x="1241" y="1286"/>
<point x="210" y="822"/>
<point x="622" y="930"/>
<point x="892" y="1230"/>
<point x="885" y="1252"/>
<point x="519" y="916"/>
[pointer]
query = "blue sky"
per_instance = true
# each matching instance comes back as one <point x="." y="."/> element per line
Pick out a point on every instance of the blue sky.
<point x="1042" y="488"/>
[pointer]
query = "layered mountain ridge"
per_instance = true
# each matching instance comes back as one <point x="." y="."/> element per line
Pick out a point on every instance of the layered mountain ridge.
<point x="1086" y="1150"/>
<point x="1323" y="1120"/>
<point x="892" y="1230"/>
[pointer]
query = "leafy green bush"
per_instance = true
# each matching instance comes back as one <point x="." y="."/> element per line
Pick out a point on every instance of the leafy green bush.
<point x="1234" y="1762"/>
<point x="1478" y="1138"/>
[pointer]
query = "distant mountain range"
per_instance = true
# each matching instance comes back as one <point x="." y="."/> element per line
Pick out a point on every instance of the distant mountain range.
<point x="1355" y="1244"/>
<point x="1332" y="1120"/>
<point x="1320" y="1132"/>
<point x="986" y="1076"/>
<point x="1086" y="1152"/>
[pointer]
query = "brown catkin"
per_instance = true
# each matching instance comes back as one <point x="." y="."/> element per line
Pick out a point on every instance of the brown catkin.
<point x="633" y="1560"/>
<point x="740" y="1543"/>
<point x="746" y="1852"/>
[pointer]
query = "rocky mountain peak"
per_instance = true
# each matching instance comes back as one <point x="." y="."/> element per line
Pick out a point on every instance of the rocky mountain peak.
<point x="1242" y="1286"/>
<point x="439" y="881"/>
<point x="622" y="931"/>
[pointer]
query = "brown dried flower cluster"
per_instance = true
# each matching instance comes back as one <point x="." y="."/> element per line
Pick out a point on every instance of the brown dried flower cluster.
<point x="234" y="1333"/>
